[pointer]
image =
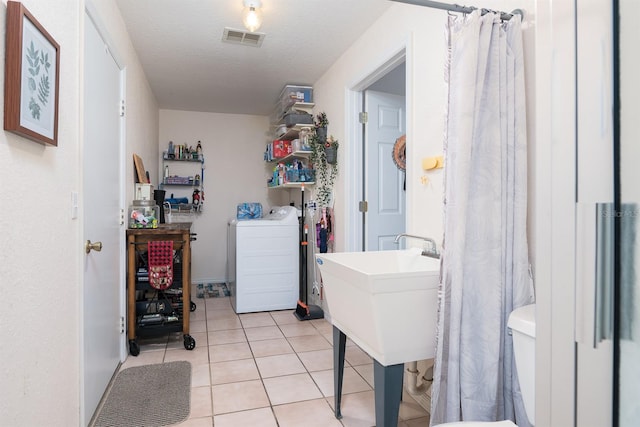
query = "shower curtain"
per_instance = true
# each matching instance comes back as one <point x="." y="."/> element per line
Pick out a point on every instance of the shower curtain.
<point x="485" y="263"/>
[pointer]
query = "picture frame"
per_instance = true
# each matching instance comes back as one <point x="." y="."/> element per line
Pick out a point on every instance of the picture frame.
<point x="32" y="70"/>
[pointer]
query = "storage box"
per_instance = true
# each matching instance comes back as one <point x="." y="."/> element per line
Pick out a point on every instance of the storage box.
<point x="276" y="116"/>
<point x="298" y="118"/>
<point x="179" y="180"/>
<point x="288" y="107"/>
<point x="281" y="148"/>
<point x="280" y="131"/>
<point x="143" y="191"/>
<point x="301" y="175"/>
<point x="249" y="211"/>
<point x="292" y="94"/>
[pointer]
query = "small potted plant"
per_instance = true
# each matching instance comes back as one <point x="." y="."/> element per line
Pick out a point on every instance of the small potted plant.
<point x="331" y="150"/>
<point x="321" y="122"/>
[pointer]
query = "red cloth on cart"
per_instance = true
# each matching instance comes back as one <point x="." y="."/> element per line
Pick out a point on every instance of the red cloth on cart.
<point x="160" y="260"/>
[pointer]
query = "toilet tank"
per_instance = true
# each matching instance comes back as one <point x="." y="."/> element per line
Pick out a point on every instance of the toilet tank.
<point x="522" y="322"/>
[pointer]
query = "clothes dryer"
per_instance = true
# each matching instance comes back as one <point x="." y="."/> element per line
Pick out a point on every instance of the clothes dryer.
<point x="263" y="261"/>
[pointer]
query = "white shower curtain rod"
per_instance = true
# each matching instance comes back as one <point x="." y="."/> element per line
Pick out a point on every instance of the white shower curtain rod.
<point x="456" y="8"/>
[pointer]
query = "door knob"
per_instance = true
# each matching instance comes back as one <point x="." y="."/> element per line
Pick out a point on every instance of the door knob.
<point x="97" y="246"/>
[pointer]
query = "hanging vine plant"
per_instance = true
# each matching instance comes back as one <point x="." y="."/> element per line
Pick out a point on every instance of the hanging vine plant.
<point x="326" y="171"/>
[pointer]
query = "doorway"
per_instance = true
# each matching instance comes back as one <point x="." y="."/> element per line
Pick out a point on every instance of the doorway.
<point x="375" y="180"/>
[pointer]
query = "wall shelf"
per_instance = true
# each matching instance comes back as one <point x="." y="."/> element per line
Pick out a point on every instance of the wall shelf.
<point x="184" y="176"/>
<point x="183" y="160"/>
<point x="193" y="184"/>
<point x="294" y="131"/>
<point x="292" y="185"/>
<point x="295" y="155"/>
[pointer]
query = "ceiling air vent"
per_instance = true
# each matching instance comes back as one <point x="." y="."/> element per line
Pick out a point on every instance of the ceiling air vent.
<point x="246" y="38"/>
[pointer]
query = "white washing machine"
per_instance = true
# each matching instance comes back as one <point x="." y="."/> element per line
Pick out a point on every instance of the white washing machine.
<point x="263" y="261"/>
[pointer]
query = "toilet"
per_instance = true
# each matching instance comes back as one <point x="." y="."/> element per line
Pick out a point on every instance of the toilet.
<point x="522" y="322"/>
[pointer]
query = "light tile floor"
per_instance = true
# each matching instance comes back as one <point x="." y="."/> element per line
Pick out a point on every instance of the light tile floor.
<point x="269" y="369"/>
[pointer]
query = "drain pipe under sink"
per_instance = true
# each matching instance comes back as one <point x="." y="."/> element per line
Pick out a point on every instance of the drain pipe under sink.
<point x="412" y="384"/>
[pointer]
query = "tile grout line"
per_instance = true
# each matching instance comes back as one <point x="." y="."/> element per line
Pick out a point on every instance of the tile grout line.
<point x="253" y="356"/>
<point x="206" y="328"/>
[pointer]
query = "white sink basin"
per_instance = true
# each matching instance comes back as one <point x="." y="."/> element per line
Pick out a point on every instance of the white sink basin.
<point x="385" y="301"/>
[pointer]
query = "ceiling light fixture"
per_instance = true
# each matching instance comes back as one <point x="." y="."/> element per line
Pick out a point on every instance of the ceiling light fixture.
<point x="252" y="15"/>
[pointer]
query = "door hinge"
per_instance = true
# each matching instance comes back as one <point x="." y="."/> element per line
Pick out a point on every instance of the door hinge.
<point x="121" y="220"/>
<point x="122" y="108"/>
<point x="363" y="117"/>
<point x="122" y="324"/>
<point x="363" y="206"/>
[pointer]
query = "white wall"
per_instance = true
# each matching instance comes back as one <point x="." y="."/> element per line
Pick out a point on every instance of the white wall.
<point x="39" y="271"/>
<point x="41" y="251"/>
<point x="235" y="172"/>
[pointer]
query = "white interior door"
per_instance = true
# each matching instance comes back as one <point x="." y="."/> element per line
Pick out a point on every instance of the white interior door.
<point x="101" y="214"/>
<point x="385" y="183"/>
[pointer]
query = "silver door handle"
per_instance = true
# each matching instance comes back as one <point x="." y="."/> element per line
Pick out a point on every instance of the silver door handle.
<point x="605" y="217"/>
<point x="594" y="272"/>
<point x="603" y="324"/>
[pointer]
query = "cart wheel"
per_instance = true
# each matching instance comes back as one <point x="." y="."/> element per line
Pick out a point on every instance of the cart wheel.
<point x="192" y="306"/>
<point x="189" y="342"/>
<point x="134" y="348"/>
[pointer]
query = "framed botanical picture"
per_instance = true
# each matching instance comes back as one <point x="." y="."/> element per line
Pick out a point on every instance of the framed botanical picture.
<point x="32" y="68"/>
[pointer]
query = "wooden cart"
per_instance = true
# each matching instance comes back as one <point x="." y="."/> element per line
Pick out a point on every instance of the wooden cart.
<point x="137" y="239"/>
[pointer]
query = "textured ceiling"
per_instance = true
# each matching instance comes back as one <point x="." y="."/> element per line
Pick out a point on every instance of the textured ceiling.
<point x="179" y="43"/>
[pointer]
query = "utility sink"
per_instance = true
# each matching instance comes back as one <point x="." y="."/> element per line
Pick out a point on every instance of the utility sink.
<point x="384" y="301"/>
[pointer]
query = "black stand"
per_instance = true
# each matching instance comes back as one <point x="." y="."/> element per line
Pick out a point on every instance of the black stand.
<point x="305" y="311"/>
<point x="387" y="379"/>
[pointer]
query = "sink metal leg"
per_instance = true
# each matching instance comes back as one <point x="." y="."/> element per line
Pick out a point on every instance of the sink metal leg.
<point x="388" y="392"/>
<point x="339" y="346"/>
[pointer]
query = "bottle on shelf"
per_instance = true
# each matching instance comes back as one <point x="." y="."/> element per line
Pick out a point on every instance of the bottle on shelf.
<point x="199" y="151"/>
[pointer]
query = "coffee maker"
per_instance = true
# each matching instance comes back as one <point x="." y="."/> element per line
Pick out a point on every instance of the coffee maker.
<point x="158" y="196"/>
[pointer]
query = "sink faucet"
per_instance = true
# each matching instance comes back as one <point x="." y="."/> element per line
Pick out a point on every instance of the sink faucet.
<point x="432" y="252"/>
